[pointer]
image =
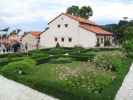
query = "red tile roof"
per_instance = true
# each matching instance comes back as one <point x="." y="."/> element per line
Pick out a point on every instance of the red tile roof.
<point x="96" y="29"/>
<point x="36" y="34"/>
<point x="86" y="24"/>
<point x="79" y="19"/>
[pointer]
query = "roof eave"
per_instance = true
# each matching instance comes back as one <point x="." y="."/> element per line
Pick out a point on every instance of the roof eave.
<point x="98" y="34"/>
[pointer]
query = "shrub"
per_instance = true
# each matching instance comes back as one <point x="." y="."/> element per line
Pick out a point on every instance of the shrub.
<point x="57" y="45"/>
<point x="106" y="60"/>
<point x="16" y="55"/>
<point x="16" y="69"/>
<point x="3" y="55"/>
<point x="56" y="51"/>
<point x="14" y="59"/>
<point x="42" y="60"/>
<point x="61" y="60"/>
<point x="83" y="56"/>
<point x="3" y="61"/>
<point x="38" y="55"/>
<point x="128" y="46"/>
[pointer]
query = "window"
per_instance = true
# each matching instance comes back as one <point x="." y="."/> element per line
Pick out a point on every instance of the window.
<point x="59" y="26"/>
<point x="101" y="40"/>
<point x="109" y="38"/>
<point x="56" y="39"/>
<point x="62" y="39"/>
<point x="66" y="25"/>
<point x="70" y="39"/>
<point x="98" y="40"/>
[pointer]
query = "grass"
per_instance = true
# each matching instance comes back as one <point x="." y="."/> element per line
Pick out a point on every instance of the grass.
<point x="67" y="78"/>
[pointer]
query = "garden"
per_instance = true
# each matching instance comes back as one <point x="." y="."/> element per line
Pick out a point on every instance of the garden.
<point x="69" y="73"/>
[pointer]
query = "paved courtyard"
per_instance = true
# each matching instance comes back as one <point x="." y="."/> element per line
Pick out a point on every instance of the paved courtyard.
<point x="11" y="90"/>
<point x="126" y="90"/>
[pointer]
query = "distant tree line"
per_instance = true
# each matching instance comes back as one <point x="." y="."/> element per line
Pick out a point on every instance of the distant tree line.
<point x="123" y="32"/>
<point x="118" y="30"/>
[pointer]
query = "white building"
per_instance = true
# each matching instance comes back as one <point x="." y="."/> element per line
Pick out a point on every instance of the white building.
<point x="73" y="31"/>
<point x="30" y="40"/>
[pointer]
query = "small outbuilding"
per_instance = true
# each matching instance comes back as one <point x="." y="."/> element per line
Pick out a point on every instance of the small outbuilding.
<point x="30" y="40"/>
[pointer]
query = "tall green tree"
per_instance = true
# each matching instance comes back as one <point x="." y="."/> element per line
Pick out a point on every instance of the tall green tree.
<point x="119" y="29"/>
<point x="128" y="33"/>
<point x="84" y="12"/>
<point x="73" y="10"/>
<point x="128" y="40"/>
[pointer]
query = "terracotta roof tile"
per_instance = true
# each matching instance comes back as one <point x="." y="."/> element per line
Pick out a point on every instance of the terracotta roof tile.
<point x="36" y="34"/>
<point x="79" y="19"/>
<point x="96" y="29"/>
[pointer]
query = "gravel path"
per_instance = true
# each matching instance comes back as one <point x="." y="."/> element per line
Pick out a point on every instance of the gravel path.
<point x="11" y="90"/>
<point x="126" y="90"/>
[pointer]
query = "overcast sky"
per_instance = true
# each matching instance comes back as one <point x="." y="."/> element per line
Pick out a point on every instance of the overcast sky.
<point x="35" y="14"/>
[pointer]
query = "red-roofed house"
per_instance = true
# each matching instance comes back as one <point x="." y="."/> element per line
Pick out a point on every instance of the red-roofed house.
<point x="73" y="31"/>
<point x="30" y="40"/>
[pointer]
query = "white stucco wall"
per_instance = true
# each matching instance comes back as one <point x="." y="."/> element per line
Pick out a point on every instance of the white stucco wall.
<point x="87" y="39"/>
<point x="80" y="36"/>
<point x="30" y="40"/>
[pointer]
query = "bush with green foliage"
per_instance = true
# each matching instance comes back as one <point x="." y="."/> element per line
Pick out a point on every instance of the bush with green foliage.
<point x="106" y="60"/>
<point x="61" y="60"/>
<point x="83" y="56"/>
<point x="18" y="68"/>
<point x="3" y="61"/>
<point x="55" y="51"/>
<point x="58" y="45"/>
<point x="128" y="41"/>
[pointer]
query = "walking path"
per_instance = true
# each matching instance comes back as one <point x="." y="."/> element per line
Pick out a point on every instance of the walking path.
<point x="11" y="90"/>
<point x="126" y="90"/>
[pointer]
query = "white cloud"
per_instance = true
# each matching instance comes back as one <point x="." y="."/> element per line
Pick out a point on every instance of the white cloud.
<point x="15" y="12"/>
<point x="113" y="11"/>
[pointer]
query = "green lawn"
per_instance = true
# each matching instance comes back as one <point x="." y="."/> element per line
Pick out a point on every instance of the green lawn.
<point x="69" y="74"/>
